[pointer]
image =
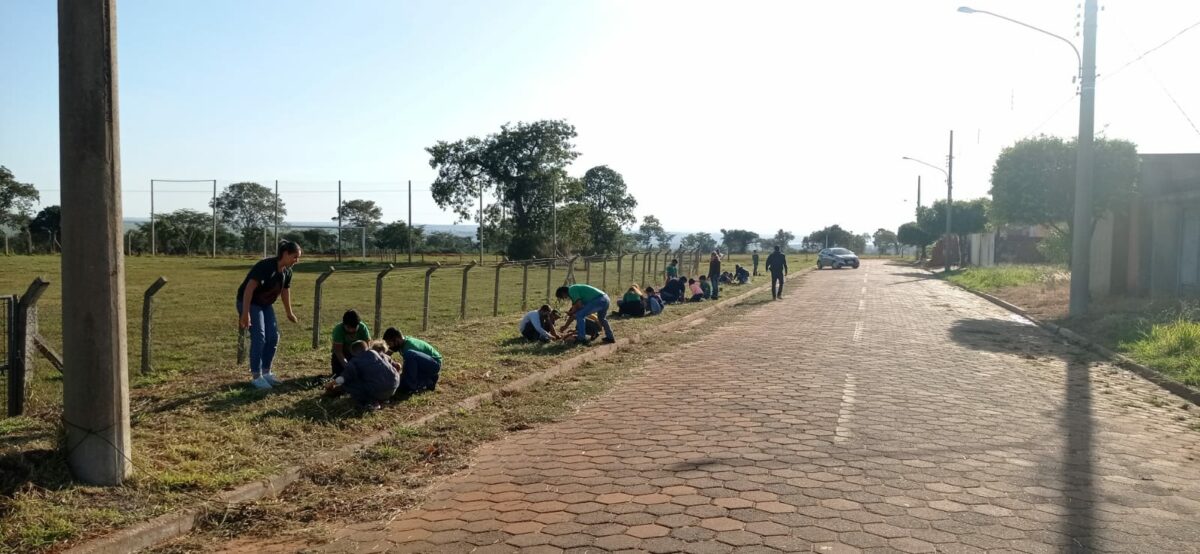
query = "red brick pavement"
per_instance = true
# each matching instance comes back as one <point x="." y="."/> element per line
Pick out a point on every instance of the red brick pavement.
<point x="875" y="410"/>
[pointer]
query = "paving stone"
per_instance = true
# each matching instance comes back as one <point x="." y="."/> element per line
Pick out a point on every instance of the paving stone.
<point x="944" y="423"/>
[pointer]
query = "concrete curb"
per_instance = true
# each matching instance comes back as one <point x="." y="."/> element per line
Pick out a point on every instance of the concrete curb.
<point x="176" y="524"/>
<point x="1150" y="374"/>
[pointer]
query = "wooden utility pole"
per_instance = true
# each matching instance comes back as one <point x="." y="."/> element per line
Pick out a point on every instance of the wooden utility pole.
<point x="96" y="372"/>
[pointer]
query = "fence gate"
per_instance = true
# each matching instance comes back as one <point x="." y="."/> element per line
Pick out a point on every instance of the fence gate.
<point x="8" y="307"/>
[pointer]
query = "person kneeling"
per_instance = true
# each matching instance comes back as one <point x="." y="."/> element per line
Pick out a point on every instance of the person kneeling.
<point x="633" y="303"/>
<point x="422" y="362"/>
<point x="538" y="326"/>
<point x="369" y="376"/>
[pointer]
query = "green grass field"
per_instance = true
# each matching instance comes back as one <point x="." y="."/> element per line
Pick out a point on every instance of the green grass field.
<point x="197" y="428"/>
<point x="991" y="279"/>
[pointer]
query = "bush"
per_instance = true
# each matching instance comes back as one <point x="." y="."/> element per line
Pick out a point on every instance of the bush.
<point x="1173" y="348"/>
<point x="1056" y="248"/>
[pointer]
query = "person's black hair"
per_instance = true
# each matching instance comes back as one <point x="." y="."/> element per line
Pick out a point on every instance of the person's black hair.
<point x="674" y="261"/>
<point x="287" y="247"/>
<point x="703" y="277"/>
<point x="351" y="319"/>
<point x="392" y="333"/>
<point x="649" y="290"/>
<point x="776" y="248"/>
<point x="544" y="308"/>
<point x="562" y="292"/>
<point x="690" y="281"/>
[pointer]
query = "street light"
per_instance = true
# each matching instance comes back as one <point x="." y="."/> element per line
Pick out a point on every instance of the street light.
<point x="949" y="198"/>
<point x="1081" y="227"/>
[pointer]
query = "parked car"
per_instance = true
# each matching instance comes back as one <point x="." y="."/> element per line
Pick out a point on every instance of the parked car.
<point x="836" y="258"/>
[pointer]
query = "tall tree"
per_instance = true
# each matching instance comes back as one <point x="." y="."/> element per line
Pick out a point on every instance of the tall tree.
<point x="910" y="234"/>
<point x="248" y="208"/>
<point x="395" y="236"/>
<point x="16" y="203"/>
<point x="360" y="213"/>
<point x="522" y="165"/>
<point x="703" y="242"/>
<point x="782" y="239"/>
<point x="47" y="223"/>
<point x="608" y="206"/>
<point x="885" y="240"/>
<point x="830" y="236"/>
<point x="737" y="241"/>
<point x="651" y="233"/>
<point x="1033" y="181"/>
<point x="444" y="241"/>
<point x="181" y="231"/>
<point x="970" y="216"/>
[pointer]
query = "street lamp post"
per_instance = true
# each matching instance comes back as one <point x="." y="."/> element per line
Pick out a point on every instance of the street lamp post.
<point x="1081" y="222"/>
<point x="949" y="198"/>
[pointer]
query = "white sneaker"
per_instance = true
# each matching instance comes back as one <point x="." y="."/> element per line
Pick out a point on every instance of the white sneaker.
<point x="272" y="379"/>
<point x="260" y="383"/>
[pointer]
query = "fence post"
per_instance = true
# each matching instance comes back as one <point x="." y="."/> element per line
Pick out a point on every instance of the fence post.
<point x="632" y="270"/>
<point x="496" y="291"/>
<point x="316" y="321"/>
<point x="379" y="297"/>
<point x="147" y="322"/>
<point x="525" y="286"/>
<point x="462" y="306"/>
<point x="587" y="270"/>
<point x="425" y="309"/>
<point x="604" y="275"/>
<point x="549" y="276"/>
<point x="23" y="345"/>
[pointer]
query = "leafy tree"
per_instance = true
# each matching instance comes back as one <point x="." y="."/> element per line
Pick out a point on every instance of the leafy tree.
<point x="575" y="233"/>
<point x="395" y="236"/>
<point x="885" y="240"/>
<point x="703" y="242"/>
<point x="910" y="234"/>
<point x="830" y="236"/>
<point x="47" y="223"/>
<point x="1033" y="181"/>
<point x="608" y="206"/>
<point x="782" y="239"/>
<point x="445" y="241"/>
<point x="651" y="232"/>
<point x="858" y="243"/>
<point x="360" y="213"/>
<point x="16" y="203"/>
<point x="523" y="165"/>
<point x="315" y="241"/>
<point x="181" y="231"/>
<point x="248" y="208"/>
<point x="737" y="241"/>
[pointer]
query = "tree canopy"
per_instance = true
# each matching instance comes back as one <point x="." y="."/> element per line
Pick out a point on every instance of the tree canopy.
<point x="970" y="216"/>
<point x="782" y="239"/>
<point x="395" y="236"/>
<point x="737" y="241"/>
<point x="360" y="213"/>
<point x="522" y="165"/>
<point x="910" y="234"/>
<point x="830" y="236"/>
<point x="16" y="200"/>
<point x="651" y="233"/>
<point x="885" y="240"/>
<point x="703" y="242"/>
<point x="607" y="205"/>
<point x="248" y="208"/>
<point x="1033" y="181"/>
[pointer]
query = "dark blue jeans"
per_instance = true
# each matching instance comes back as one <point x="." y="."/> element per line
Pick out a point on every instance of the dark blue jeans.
<point x="420" y="373"/>
<point x="776" y="278"/>
<point x="715" y="280"/>
<point x="264" y="337"/>
<point x="598" y="306"/>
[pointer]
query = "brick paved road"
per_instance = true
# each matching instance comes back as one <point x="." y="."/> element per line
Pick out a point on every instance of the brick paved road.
<point x="874" y="410"/>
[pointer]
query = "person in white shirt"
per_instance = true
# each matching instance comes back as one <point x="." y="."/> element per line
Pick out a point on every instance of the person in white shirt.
<point x="535" y="325"/>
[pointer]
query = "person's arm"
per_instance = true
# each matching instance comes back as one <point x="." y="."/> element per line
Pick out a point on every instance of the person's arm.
<point x="537" y="325"/>
<point x="286" y="295"/>
<point x="339" y="354"/>
<point x="244" y="322"/>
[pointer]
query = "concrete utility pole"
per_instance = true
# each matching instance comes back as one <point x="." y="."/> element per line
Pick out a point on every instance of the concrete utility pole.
<point x="339" y="215"/>
<point x="949" y="202"/>
<point x="410" y="223"/>
<point x="95" y="372"/>
<point x="918" y="193"/>
<point x="1081" y="232"/>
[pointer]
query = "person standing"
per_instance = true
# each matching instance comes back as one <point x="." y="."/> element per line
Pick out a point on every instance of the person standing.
<point x="268" y="280"/>
<point x="672" y="270"/>
<point x="587" y="300"/>
<point x="754" y="260"/>
<point x="714" y="273"/>
<point x="777" y="265"/>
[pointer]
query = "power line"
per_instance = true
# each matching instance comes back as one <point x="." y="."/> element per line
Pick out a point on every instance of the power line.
<point x="1146" y="53"/>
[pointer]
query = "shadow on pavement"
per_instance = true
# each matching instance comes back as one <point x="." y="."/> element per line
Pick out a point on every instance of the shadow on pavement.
<point x="1076" y="424"/>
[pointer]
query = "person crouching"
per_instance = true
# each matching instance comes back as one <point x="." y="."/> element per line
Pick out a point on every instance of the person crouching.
<point x="369" y="376"/>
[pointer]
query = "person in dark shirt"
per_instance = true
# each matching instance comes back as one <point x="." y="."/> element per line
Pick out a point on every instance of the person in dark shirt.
<point x="714" y="273"/>
<point x="268" y="280"/>
<point x="369" y="376"/>
<point x="754" y="260"/>
<point x="777" y="265"/>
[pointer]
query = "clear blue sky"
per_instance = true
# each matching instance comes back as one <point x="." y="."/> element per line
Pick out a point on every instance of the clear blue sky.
<point x="757" y="114"/>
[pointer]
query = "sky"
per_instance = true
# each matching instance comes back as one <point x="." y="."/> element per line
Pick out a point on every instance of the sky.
<point x="760" y="115"/>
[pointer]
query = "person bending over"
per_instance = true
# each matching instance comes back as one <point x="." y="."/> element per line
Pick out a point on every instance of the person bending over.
<point x="368" y="376"/>
<point x="351" y="330"/>
<point x="421" y="361"/>
<point x="536" y="325"/>
<point x="587" y="300"/>
<point x="633" y="303"/>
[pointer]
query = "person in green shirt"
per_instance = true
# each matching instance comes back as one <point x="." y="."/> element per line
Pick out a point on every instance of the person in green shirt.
<point x="706" y="286"/>
<point x="351" y="330"/>
<point x="587" y="300"/>
<point x="422" y="362"/>
<point x="672" y="270"/>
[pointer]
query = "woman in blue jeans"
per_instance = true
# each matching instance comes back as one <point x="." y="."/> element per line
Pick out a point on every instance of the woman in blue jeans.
<point x="268" y="280"/>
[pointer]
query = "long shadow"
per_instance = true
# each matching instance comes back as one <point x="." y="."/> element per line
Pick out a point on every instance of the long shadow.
<point x="1075" y="421"/>
<point x="519" y="345"/>
<point x="42" y="468"/>
<point x="239" y="394"/>
<point x="1078" y="424"/>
